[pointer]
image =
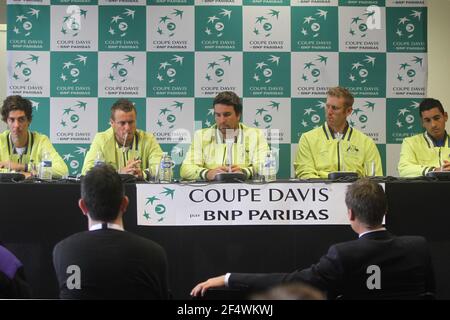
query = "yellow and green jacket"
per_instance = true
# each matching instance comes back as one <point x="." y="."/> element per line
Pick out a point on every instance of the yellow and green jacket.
<point x="144" y="146"/>
<point x="209" y="151"/>
<point x="37" y="143"/>
<point x="320" y="153"/>
<point x="420" y="155"/>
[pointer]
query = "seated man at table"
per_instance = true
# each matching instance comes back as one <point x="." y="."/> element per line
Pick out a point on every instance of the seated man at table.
<point x="127" y="149"/>
<point x="377" y="265"/>
<point x="19" y="146"/>
<point x="428" y="151"/>
<point x="12" y="277"/>
<point x="108" y="262"/>
<point x="335" y="146"/>
<point x="208" y="153"/>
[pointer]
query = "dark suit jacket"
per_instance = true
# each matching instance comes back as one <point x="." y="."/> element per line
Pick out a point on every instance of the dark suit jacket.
<point x="113" y="265"/>
<point x="404" y="262"/>
<point x="12" y="277"/>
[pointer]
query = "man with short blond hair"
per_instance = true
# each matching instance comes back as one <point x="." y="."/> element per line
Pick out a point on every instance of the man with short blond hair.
<point x="335" y="146"/>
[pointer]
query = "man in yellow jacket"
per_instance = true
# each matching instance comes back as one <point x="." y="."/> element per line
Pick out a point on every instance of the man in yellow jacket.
<point x="428" y="151"/>
<point x="19" y="147"/>
<point x="335" y="146"/>
<point x="128" y="150"/>
<point x="208" y="153"/>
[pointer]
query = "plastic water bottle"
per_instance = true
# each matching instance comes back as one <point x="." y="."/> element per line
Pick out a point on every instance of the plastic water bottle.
<point x="270" y="167"/>
<point x="166" y="169"/>
<point x="99" y="159"/>
<point x="45" y="169"/>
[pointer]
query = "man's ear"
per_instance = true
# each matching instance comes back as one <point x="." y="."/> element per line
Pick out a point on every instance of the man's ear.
<point x="351" y="215"/>
<point x="83" y="206"/>
<point x="124" y="204"/>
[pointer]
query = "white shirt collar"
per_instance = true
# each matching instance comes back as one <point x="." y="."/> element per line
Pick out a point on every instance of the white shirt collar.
<point x="109" y="225"/>
<point x="370" y="231"/>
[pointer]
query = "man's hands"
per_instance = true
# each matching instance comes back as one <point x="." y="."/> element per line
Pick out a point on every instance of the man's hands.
<point x="445" y="166"/>
<point x="133" y="167"/>
<point x="213" y="172"/>
<point x="201" y="288"/>
<point x="13" y="166"/>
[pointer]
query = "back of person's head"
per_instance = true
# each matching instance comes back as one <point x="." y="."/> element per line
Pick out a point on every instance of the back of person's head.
<point x="341" y="92"/>
<point x="13" y="103"/>
<point x="430" y="103"/>
<point x="229" y="98"/>
<point x="102" y="191"/>
<point x="124" y="105"/>
<point x="291" y="291"/>
<point x="367" y="200"/>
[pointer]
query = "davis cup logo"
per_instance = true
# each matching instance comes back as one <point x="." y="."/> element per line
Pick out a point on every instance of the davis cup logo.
<point x="118" y="71"/>
<point x="24" y="23"/>
<point x="358" y="25"/>
<point x="167" y="71"/>
<point x="407" y="72"/>
<point x="23" y="69"/>
<point x="209" y="120"/>
<point x="155" y="209"/>
<point x="407" y="25"/>
<point x="264" y="24"/>
<point x="264" y="117"/>
<point x="168" y="115"/>
<point x="72" y="23"/>
<point x="311" y="25"/>
<point x="71" y="69"/>
<point x="168" y="24"/>
<point x="360" y="116"/>
<point x="263" y="70"/>
<point x="119" y="24"/>
<point x="216" y="71"/>
<point x="312" y="116"/>
<point x="217" y="23"/>
<point x="360" y="72"/>
<point x="75" y="159"/>
<point x="313" y="69"/>
<point x="406" y="116"/>
<point x="71" y="115"/>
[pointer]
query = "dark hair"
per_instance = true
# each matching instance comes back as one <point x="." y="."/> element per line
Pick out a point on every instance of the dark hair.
<point x="367" y="201"/>
<point x="430" y="103"/>
<point x="13" y="103"/>
<point x="124" y="105"/>
<point x="229" y="98"/>
<point x="102" y="191"/>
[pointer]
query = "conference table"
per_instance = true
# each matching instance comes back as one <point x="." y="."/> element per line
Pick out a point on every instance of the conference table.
<point x="35" y="216"/>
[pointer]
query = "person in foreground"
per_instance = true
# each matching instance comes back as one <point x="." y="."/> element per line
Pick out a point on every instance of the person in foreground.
<point x="19" y="145"/>
<point x="207" y="155"/>
<point x="108" y="262"/>
<point x="428" y="151"/>
<point x="127" y="149"/>
<point x="335" y="146"/>
<point x="402" y="265"/>
<point x="13" y="284"/>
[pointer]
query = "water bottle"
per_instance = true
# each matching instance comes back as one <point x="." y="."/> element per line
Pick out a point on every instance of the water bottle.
<point x="45" y="169"/>
<point x="270" y="167"/>
<point x="166" y="169"/>
<point x="99" y="159"/>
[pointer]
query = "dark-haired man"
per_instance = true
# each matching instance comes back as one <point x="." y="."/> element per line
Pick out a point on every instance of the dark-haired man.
<point x="403" y="263"/>
<point x="428" y="151"/>
<point x="107" y="262"/>
<point x="128" y="150"/>
<point x="208" y="153"/>
<point x="19" y="146"/>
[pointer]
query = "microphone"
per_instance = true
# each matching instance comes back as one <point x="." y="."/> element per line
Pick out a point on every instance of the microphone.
<point x="229" y="161"/>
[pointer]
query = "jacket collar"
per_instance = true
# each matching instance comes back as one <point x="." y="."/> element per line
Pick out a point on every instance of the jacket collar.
<point x="347" y="134"/>
<point x="377" y="235"/>
<point x="432" y="143"/>
<point x="28" y="148"/>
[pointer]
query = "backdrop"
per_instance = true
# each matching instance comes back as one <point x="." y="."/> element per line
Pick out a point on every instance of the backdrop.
<point x="73" y="59"/>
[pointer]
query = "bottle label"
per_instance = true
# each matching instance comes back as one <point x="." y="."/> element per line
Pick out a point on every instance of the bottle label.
<point x="47" y="164"/>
